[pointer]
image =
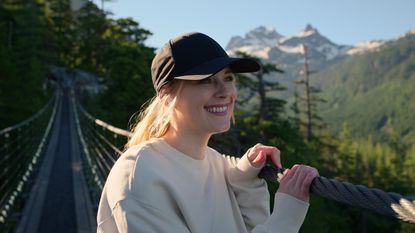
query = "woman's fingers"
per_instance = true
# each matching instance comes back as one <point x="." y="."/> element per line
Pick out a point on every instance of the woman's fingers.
<point x="258" y="154"/>
<point x="275" y="156"/>
<point x="259" y="160"/>
<point x="308" y="179"/>
<point x="296" y="182"/>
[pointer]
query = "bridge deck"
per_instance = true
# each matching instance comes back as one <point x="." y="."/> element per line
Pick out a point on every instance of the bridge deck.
<point x="59" y="201"/>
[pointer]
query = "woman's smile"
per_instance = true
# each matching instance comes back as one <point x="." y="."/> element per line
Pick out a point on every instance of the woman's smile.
<point x="218" y="110"/>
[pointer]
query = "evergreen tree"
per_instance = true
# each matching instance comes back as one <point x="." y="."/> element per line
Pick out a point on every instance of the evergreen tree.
<point x="91" y="42"/>
<point x="128" y="70"/>
<point x="22" y="52"/>
<point x="61" y="35"/>
<point x="310" y="99"/>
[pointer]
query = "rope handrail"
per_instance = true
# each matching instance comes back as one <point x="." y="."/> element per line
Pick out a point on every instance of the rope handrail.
<point x="104" y="124"/>
<point x="386" y="203"/>
<point x="27" y="121"/>
<point x="20" y="152"/>
<point x="100" y="152"/>
<point x="108" y="143"/>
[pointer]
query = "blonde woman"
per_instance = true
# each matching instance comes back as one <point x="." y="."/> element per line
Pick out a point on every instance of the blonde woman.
<point x="169" y="180"/>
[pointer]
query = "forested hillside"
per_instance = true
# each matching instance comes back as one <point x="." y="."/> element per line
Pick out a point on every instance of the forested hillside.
<point x="372" y="92"/>
<point x="23" y="55"/>
<point x="36" y="34"/>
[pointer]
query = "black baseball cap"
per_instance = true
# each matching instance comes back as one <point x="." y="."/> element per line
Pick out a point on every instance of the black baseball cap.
<point x="194" y="56"/>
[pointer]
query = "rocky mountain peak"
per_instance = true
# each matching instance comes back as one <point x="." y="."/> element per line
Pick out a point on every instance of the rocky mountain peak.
<point x="407" y="34"/>
<point x="260" y="36"/>
<point x="262" y="31"/>
<point x="310" y="28"/>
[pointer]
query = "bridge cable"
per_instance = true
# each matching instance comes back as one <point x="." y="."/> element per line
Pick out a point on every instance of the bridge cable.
<point x="386" y="203"/>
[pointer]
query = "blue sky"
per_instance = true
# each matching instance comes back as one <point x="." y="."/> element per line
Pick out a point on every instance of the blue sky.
<point x="343" y="22"/>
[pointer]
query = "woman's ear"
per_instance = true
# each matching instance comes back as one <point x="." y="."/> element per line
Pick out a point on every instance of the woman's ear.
<point x="164" y="91"/>
<point x="165" y="96"/>
<point x="168" y="93"/>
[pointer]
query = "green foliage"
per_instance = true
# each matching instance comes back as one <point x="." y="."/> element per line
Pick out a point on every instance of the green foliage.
<point x="61" y="35"/>
<point x="22" y="60"/>
<point x="8" y="87"/>
<point x="115" y="50"/>
<point x="128" y="86"/>
<point x="376" y="165"/>
<point x="35" y="34"/>
<point x="373" y="92"/>
<point x="407" y="169"/>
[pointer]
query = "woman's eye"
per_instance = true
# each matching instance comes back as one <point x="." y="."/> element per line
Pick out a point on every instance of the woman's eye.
<point x="229" y="78"/>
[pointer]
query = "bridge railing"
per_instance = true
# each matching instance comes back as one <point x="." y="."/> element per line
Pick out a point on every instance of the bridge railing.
<point x="21" y="149"/>
<point x="101" y="144"/>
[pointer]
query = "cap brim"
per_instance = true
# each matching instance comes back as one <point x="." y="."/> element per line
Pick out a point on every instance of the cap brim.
<point x="207" y="69"/>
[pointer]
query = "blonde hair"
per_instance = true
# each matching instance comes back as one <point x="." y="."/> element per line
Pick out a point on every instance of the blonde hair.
<point x="154" y="120"/>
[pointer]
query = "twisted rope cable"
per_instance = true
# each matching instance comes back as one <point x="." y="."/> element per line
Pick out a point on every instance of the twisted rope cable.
<point x="104" y="124"/>
<point x="386" y="203"/>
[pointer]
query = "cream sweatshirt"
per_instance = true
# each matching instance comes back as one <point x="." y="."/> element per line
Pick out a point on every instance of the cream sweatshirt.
<point x="155" y="188"/>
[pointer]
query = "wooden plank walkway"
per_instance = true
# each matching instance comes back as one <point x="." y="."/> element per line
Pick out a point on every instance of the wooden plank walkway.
<point x="59" y="201"/>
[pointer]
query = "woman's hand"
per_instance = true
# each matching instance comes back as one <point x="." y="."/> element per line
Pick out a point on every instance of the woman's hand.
<point x="297" y="180"/>
<point x="257" y="155"/>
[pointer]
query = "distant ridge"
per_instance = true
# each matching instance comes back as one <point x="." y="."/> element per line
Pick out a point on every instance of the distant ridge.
<point x="267" y="43"/>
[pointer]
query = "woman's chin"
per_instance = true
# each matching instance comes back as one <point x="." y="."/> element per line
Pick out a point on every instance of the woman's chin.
<point x="222" y="129"/>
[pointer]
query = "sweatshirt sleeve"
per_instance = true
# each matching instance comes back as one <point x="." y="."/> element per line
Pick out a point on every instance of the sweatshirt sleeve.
<point x="251" y="192"/>
<point x="288" y="216"/>
<point x="253" y="200"/>
<point x="130" y="215"/>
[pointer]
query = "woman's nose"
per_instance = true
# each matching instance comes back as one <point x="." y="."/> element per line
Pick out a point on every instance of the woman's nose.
<point x="225" y="89"/>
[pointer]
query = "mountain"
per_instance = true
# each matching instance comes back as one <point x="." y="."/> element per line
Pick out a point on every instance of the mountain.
<point x="287" y="51"/>
<point x="370" y="86"/>
<point x="258" y="37"/>
<point x="374" y="92"/>
<point x="271" y="46"/>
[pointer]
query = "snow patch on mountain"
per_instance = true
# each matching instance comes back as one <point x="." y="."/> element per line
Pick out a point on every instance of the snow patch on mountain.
<point x="409" y="33"/>
<point x="261" y="36"/>
<point x="365" y="46"/>
<point x="296" y="49"/>
<point x="304" y="33"/>
<point x="308" y="31"/>
<point x="257" y="51"/>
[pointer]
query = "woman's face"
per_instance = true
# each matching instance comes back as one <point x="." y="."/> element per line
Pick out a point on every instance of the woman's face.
<point x="206" y="106"/>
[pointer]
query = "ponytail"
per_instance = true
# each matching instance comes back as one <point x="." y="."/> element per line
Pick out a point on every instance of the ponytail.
<point x="154" y="121"/>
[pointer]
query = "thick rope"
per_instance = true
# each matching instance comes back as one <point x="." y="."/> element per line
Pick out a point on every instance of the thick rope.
<point x="385" y="203"/>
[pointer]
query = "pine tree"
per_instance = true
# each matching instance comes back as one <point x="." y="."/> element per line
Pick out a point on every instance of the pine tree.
<point x="268" y="107"/>
<point x="22" y="49"/>
<point x="310" y="100"/>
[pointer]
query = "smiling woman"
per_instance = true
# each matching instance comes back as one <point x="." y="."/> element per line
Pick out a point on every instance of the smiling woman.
<point x="209" y="102"/>
<point x="169" y="180"/>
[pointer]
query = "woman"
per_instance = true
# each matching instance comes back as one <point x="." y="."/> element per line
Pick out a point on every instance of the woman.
<point x="169" y="180"/>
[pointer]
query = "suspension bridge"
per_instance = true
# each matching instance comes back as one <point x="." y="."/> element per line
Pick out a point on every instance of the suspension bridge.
<point x="54" y="166"/>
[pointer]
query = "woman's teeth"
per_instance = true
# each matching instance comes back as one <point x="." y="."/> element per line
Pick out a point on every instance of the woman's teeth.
<point x="217" y="109"/>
